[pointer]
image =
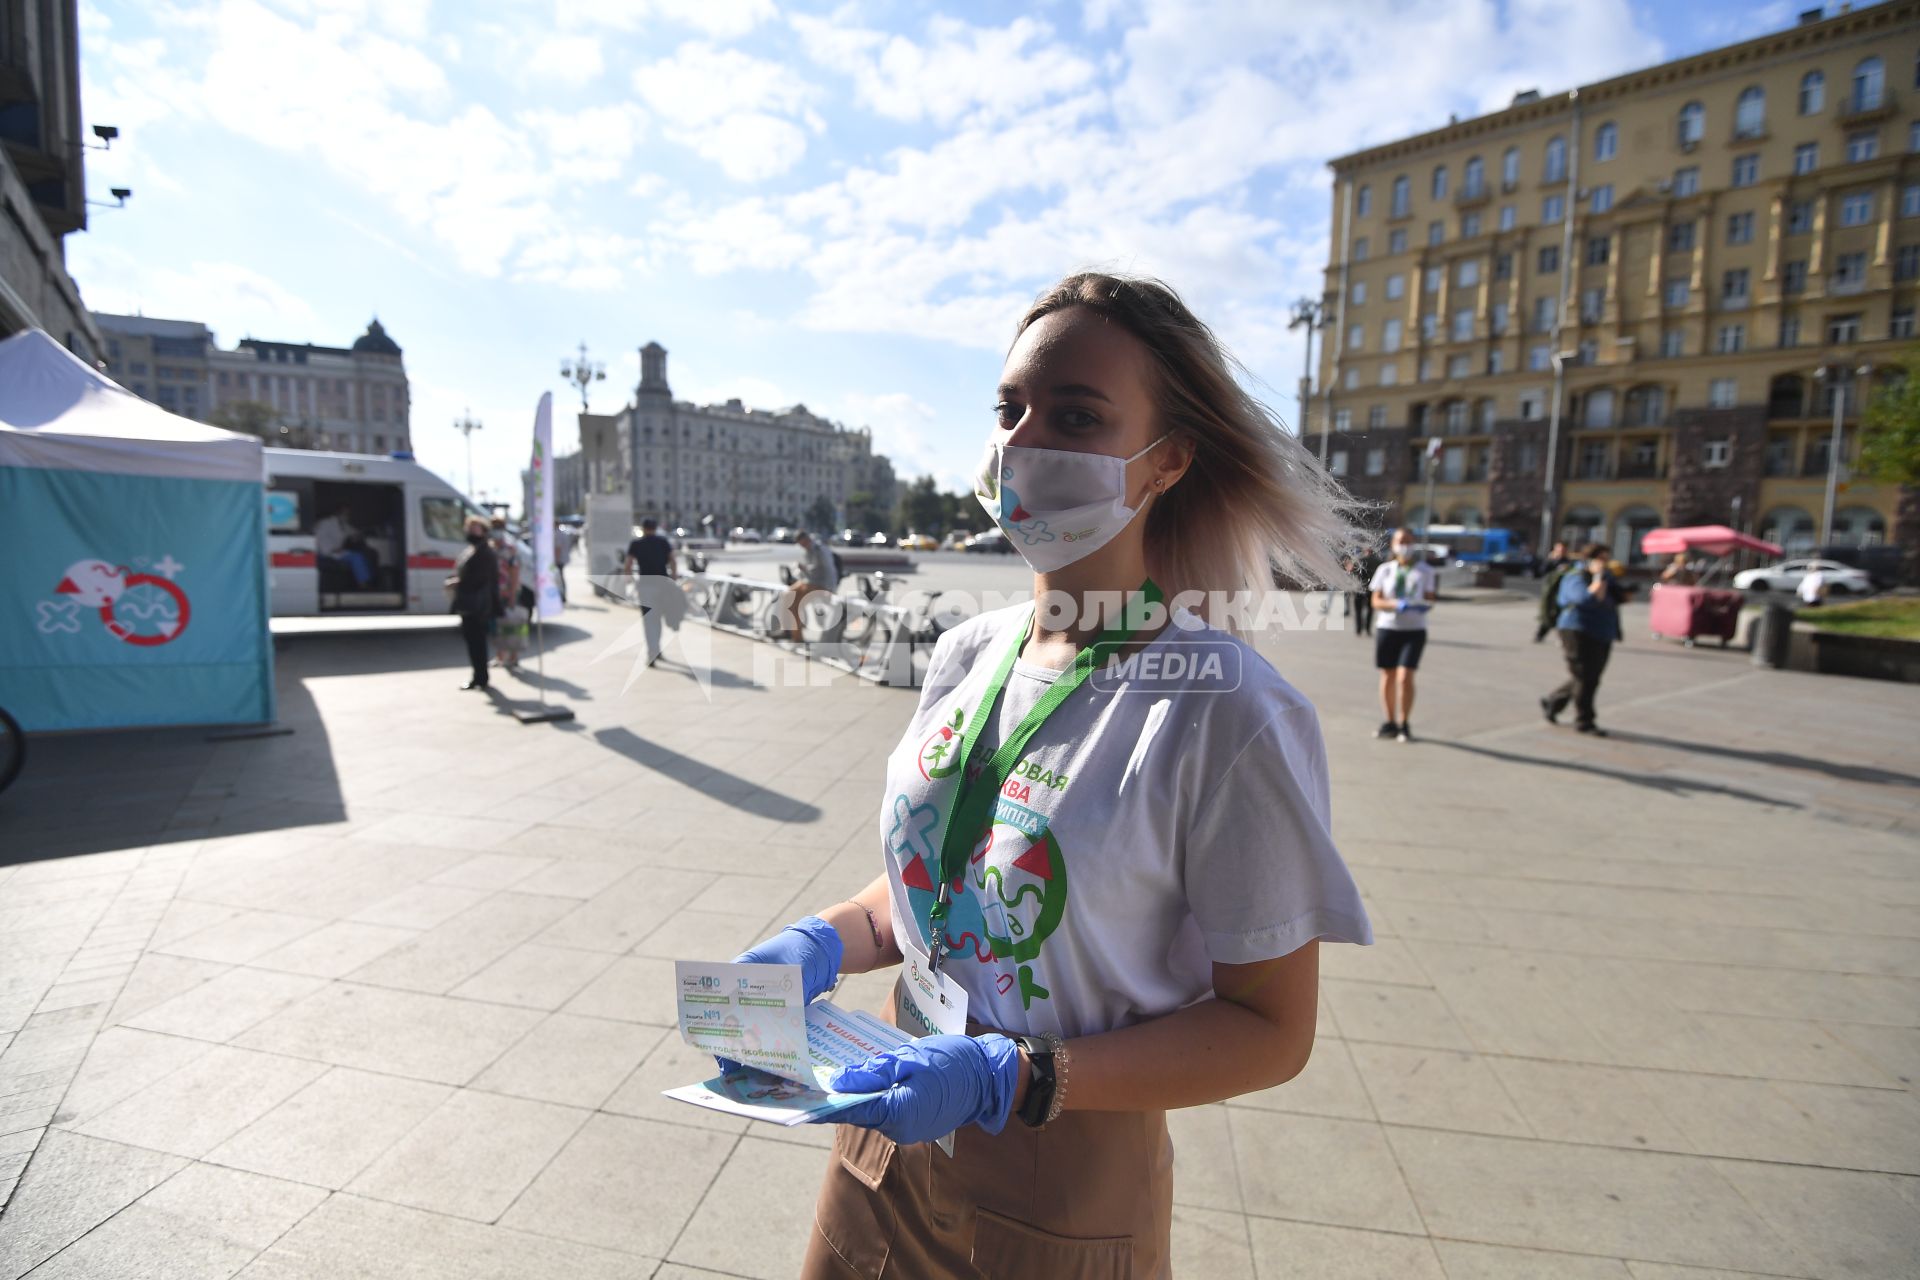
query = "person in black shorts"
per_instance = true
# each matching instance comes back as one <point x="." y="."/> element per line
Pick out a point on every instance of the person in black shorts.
<point x="1403" y="590"/>
<point x="650" y="556"/>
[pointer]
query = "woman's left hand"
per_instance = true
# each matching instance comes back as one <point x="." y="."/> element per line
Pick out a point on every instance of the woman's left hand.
<point x="933" y="1086"/>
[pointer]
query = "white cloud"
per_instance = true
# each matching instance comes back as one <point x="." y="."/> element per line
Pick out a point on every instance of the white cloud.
<point x="569" y="60"/>
<point x="720" y="19"/>
<point x="233" y="300"/>
<point x="902" y="427"/>
<point x="960" y="69"/>
<point x="731" y="108"/>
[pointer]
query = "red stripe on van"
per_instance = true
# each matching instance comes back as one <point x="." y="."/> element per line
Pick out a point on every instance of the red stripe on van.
<point x="294" y="560"/>
<point x="430" y="562"/>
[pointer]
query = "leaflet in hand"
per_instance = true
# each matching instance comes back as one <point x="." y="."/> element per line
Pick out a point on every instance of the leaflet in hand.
<point x="753" y="1014"/>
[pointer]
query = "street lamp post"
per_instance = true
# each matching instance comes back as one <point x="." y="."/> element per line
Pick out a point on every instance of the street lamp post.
<point x="1309" y="314"/>
<point x="583" y="373"/>
<point x="1559" y="359"/>
<point x="1832" y="375"/>
<point x="466" y="426"/>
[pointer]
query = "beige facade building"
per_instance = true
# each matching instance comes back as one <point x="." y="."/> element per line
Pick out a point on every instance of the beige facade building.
<point x="683" y="462"/>
<point x="351" y="399"/>
<point x="1684" y="261"/>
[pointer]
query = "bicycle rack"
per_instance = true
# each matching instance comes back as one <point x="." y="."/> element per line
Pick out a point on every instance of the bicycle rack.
<point x="886" y="654"/>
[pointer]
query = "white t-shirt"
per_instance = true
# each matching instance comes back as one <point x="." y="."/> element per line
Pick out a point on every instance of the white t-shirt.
<point x="1152" y="827"/>
<point x="1412" y="582"/>
<point x="1810" y="587"/>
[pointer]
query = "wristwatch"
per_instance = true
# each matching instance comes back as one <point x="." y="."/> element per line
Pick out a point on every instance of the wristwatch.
<point x="1043" y="1087"/>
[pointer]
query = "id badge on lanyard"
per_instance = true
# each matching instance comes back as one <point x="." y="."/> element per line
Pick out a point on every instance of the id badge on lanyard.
<point x="930" y="1003"/>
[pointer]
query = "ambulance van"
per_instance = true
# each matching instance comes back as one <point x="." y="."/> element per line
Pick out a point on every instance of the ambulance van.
<point x="352" y="534"/>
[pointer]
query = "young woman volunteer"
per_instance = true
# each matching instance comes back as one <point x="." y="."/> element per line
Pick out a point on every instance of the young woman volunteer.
<point x="1108" y="884"/>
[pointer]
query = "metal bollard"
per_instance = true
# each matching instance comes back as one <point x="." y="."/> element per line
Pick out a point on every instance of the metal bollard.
<point x="1773" y="636"/>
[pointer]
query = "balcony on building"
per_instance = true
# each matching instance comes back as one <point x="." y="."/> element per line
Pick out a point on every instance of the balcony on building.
<point x="1857" y="108"/>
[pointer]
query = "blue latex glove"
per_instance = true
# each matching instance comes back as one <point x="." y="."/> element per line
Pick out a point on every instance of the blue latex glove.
<point x="933" y="1086"/>
<point x="811" y="943"/>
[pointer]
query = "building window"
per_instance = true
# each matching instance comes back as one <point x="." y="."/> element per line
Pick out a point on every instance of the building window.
<point x="1337" y="460"/>
<point x="1910" y="200"/>
<point x="1606" y="142"/>
<point x="1863" y="145"/>
<point x="1402" y="197"/>
<point x="1692" y="126"/>
<point x="1843" y="330"/>
<point x="1463" y="325"/>
<point x="1377" y="457"/>
<point x="1390" y="335"/>
<point x="1343" y="420"/>
<point x="1376" y="417"/>
<point x="1672" y="344"/>
<point x="1849" y="269"/>
<point x="1546" y="312"/>
<point x="1532" y="406"/>
<point x="1600" y="199"/>
<point x="1793" y="276"/>
<point x="1351" y="380"/>
<point x="1436" y="232"/>
<point x="1510" y="168"/>
<point x="1717" y="453"/>
<point x="1503" y="266"/>
<point x="1732" y="338"/>
<point x="1856" y="209"/>
<point x="1686" y="182"/>
<point x="1789" y="331"/>
<point x="1592" y="303"/>
<point x="1538" y="357"/>
<point x="1440" y="182"/>
<point x="1359" y="292"/>
<point x="1363" y="201"/>
<point x="1397" y="240"/>
<point x="1389" y="374"/>
<point x="1800" y="218"/>
<point x="1750" y="113"/>
<point x="1549" y="259"/>
<point x="1356" y="337"/>
<point x="1906" y="262"/>
<point x="1676" y="293"/>
<point x="1468" y="272"/>
<point x="1587" y="353"/>
<point x="1396" y="286"/>
<point x="1497" y="319"/>
<point x="1474" y="180"/>
<point x="1598" y="250"/>
<point x="1597" y="409"/>
<point x="1746" y="170"/>
<point x="1813" y="93"/>
<point x="1431" y="279"/>
<point x="1913" y="136"/>
<point x="1740" y="228"/>
<point x="1425" y="371"/>
<point x="1496" y="361"/>
<point x="1680" y="237"/>
<point x="1869" y="85"/>
<point x="1595" y="457"/>
<point x="1646" y="406"/>
<point x="1556" y="167"/>
<point x="1460" y="366"/>
<point x="1360" y="248"/>
<point x="1806" y="157"/>
<point x="1469" y="225"/>
<point x="1509" y="217"/>
<point x="1733" y="287"/>
<point x="1429" y="326"/>
<point x="1552" y="209"/>
<point x="1900" y="325"/>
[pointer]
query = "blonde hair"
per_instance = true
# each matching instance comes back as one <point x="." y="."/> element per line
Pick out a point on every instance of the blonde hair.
<point x="1254" y="502"/>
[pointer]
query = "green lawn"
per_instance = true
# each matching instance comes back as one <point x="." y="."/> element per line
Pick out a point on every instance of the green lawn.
<point x="1899" y="618"/>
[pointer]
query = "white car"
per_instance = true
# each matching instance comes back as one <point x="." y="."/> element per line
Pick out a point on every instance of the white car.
<point x="1841" y="579"/>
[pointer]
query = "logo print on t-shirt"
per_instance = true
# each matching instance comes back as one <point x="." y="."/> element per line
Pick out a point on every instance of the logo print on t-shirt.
<point x="940" y="753"/>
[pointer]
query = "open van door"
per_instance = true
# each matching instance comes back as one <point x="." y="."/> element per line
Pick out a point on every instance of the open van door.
<point x="292" y="569"/>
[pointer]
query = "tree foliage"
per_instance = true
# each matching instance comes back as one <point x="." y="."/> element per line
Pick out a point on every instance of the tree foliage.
<point x="1890" y="442"/>
<point x="249" y="417"/>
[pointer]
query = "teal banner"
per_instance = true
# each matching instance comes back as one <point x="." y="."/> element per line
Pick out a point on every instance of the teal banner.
<point x="132" y="600"/>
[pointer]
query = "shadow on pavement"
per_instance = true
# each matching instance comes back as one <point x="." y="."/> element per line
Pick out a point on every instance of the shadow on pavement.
<point x="1674" y="786"/>
<point x="729" y="789"/>
<point x="354" y="653"/>
<point x="1781" y="760"/>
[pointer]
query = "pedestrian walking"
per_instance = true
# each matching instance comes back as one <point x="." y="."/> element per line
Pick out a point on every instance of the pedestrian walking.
<point x="1122" y="923"/>
<point x="476" y="595"/>
<point x="651" y="560"/>
<point x="1361" y="601"/>
<point x="1589" y="623"/>
<point x="562" y="550"/>
<point x="510" y="629"/>
<point x="1404" y="589"/>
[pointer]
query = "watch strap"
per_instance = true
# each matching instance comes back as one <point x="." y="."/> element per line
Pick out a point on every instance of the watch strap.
<point x="1037" y="1108"/>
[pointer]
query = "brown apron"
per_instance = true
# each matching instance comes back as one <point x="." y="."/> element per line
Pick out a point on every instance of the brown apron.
<point x="1089" y="1197"/>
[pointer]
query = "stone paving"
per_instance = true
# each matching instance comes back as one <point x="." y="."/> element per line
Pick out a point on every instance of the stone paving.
<point x="389" y="995"/>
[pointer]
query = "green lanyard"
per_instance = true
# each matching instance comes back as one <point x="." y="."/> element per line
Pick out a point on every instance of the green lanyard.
<point x="974" y="801"/>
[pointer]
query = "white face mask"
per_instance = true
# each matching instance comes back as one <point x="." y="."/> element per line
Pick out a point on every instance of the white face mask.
<point x="1056" y="505"/>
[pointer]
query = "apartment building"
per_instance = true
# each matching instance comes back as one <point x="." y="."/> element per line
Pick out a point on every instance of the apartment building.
<point x="1689" y="263"/>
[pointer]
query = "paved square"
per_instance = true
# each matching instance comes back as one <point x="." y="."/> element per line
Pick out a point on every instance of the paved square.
<point x="390" y="995"/>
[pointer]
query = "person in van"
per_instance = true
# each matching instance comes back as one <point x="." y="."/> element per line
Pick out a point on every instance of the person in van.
<point x="336" y="541"/>
<point x="476" y="596"/>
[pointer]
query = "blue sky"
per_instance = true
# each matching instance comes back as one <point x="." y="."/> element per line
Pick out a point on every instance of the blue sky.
<point x="842" y="206"/>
